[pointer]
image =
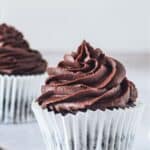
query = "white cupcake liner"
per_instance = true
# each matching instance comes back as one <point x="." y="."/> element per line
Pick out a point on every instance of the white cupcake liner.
<point x="91" y="130"/>
<point x="16" y="95"/>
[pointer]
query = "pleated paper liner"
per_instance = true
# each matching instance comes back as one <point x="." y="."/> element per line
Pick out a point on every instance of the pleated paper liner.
<point x="16" y="95"/>
<point x="91" y="130"/>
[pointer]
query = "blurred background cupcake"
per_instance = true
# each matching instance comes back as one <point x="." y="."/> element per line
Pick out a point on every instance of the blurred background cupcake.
<point x="88" y="103"/>
<point x="21" y="73"/>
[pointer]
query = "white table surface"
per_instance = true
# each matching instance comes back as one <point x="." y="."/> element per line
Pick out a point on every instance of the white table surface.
<point x="28" y="137"/>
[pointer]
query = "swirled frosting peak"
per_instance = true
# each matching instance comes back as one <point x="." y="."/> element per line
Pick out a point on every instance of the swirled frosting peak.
<point x="9" y="36"/>
<point x="16" y="57"/>
<point x="87" y="79"/>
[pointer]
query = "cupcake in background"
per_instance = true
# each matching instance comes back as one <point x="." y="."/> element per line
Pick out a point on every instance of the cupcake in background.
<point x="87" y="103"/>
<point x="22" y="70"/>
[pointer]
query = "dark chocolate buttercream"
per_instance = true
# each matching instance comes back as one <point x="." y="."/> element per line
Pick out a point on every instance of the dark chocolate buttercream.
<point x="9" y="36"/>
<point x="16" y="57"/>
<point x="87" y="79"/>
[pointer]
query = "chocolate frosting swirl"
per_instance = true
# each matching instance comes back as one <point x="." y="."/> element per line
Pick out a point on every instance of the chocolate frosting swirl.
<point x="87" y="79"/>
<point x="9" y="36"/>
<point x="16" y="57"/>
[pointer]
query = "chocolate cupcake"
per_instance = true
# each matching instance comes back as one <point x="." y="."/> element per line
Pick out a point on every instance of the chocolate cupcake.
<point x="88" y="103"/>
<point x="22" y="71"/>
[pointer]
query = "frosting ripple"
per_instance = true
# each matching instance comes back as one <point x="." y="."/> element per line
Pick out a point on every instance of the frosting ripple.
<point x="87" y="79"/>
<point x="18" y="61"/>
<point x="9" y="36"/>
<point x="16" y="57"/>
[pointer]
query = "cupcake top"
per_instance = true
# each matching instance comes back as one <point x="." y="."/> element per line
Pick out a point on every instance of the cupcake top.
<point x="87" y="79"/>
<point x="16" y="56"/>
<point x="9" y="36"/>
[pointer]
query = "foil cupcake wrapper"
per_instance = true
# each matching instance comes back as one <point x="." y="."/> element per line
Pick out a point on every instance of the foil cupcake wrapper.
<point x="16" y="95"/>
<point x="91" y="130"/>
